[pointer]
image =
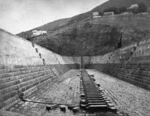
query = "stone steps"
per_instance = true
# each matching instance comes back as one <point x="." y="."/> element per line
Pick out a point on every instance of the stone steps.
<point x="137" y="74"/>
<point x="9" y="70"/>
<point x="21" y="81"/>
<point x="28" y="85"/>
<point x="8" y="74"/>
<point x="29" y="80"/>
<point x="6" y="82"/>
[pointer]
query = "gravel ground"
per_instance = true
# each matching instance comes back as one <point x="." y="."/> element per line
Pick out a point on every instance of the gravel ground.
<point x="129" y="99"/>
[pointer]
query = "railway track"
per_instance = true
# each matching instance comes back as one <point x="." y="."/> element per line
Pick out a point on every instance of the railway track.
<point x="92" y="96"/>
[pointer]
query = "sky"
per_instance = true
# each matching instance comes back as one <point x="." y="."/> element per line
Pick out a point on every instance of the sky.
<point x="22" y="15"/>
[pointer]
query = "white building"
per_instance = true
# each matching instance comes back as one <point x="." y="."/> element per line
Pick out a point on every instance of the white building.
<point x="37" y="33"/>
<point x="108" y="13"/>
<point x="133" y="6"/>
<point x="96" y="15"/>
<point x="126" y="13"/>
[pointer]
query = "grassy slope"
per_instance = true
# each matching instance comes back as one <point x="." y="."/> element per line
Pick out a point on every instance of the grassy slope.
<point x="48" y="27"/>
<point x="110" y="3"/>
<point x="55" y="24"/>
<point x="117" y="3"/>
<point x="59" y="28"/>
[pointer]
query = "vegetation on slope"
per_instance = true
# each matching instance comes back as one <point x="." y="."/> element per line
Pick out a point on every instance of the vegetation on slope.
<point x="49" y="27"/>
<point x="88" y="39"/>
<point x="76" y="36"/>
<point x="107" y="5"/>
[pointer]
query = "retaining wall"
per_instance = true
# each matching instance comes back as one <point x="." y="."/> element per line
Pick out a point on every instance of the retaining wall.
<point x="131" y="64"/>
<point x="15" y="50"/>
<point x="27" y="67"/>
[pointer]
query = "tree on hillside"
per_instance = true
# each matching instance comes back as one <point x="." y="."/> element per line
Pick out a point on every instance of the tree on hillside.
<point x="101" y="13"/>
<point x="116" y="10"/>
<point x="114" y="36"/>
<point x="87" y="25"/>
<point x="74" y="33"/>
<point x="142" y="7"/>
<point x="122" y="9"/>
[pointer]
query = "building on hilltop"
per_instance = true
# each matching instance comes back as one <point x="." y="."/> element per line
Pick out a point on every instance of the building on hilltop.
<point x="96" y="15"/>
<point x="133" y="8"/>
<point x="108" y="13"/>
<point x="38" y="33"/>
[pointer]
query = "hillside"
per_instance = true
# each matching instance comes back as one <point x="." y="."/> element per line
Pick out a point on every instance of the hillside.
<point x="65" y="36"/>
<point x="108" y="4"/>
<point x="47" y="27"/>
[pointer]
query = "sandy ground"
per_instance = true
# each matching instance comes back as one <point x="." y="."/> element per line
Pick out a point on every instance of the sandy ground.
<point x="128" y="98"/>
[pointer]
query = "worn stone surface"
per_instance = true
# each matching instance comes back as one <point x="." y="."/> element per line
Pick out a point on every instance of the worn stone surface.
<point x="65" y="90"/>
<point x="128" y="98"/>
<point x="7" y="113"/>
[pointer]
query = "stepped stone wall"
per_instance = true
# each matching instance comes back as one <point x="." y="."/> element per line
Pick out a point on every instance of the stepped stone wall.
<point x="131" y="64"/>
<point x="136" y="53"/>
<point x="29" y="80"/>
<point x="137" y="74"/>
<point x="27" y="67"/>
<point x="15" y="50"/>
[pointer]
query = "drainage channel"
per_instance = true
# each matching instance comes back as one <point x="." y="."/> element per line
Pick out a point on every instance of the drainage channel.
<point x="92" y="96"/>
